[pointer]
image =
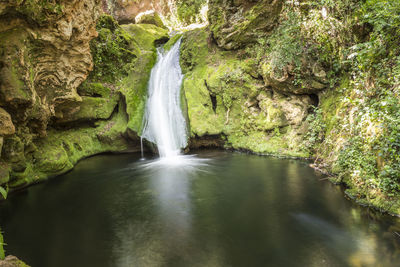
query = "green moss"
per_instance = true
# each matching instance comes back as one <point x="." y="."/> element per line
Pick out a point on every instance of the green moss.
<point x="172" y="42"/>
<point x="40" y="11"/>
<point x="124" y="55"/>
<point x="146" y="35"/>
<point x="60" y="151"/>
<point x="94" y="108"/>
<point x="94" y="89"/>
<point x="113" y="51"/>
<point x="4" y="173"/>
<point x="219" y="87"/>
<point x="134" y="88"/>
<point x="189" y="11"/>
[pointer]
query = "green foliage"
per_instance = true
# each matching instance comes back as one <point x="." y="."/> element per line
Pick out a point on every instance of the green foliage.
<point x="107" y="22"/>
<point x="317" y="130"/>
<point x="3" y="192"/>
<point x="113" y="51"/>
<point x="2" y="252"/>
<point x="189" y="10"/>
<point x="285" y="45"/>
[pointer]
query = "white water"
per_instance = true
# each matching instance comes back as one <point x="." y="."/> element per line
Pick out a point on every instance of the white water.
<point x="164" y="123"/>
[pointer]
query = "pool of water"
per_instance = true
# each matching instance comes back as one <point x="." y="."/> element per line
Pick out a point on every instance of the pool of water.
<point x="239" y="210"/>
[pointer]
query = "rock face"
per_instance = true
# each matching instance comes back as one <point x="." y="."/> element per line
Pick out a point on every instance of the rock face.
<point x="313" y="78"/>
<point x="125" y="11"/>
<point x="12" y="261"/>
<point x="150" y="17"/>
<point x="6" y="125"/>
<point x="237" y="23"/>
<point x="227" y="97"/>
<point x="45" y="57"/>
<point x="49" y="119"/>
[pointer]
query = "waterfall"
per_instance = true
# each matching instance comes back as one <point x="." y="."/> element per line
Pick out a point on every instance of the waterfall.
<point x="164" y="123"/>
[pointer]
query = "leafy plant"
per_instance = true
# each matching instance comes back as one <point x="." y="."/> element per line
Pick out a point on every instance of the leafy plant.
<point x="317" y="129"/>
<point x="3" y="192"/>
<point x="189" y="10"/>
<point x="2" y="251"/>
<point x="111" y="51"/>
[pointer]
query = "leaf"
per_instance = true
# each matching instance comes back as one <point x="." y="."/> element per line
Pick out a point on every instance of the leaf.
<point x="3" y="192"/>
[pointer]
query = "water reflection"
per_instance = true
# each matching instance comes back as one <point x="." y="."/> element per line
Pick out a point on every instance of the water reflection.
<point x="241" y="210"/>
<point x="167" y="238"/>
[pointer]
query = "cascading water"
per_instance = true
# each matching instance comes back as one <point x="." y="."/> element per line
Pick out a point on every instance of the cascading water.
<point x="164" y="123"/>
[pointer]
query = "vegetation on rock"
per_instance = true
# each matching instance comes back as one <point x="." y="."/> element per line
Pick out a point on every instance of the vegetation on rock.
<point x="296" y="78"/>
<point x="226" y="97"/>
<point x="189" y="11"/>
<point x="2" y="252"/>
<point x="331" y="67"/>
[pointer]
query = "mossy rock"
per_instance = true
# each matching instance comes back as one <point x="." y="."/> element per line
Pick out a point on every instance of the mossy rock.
<point x="134" y="85"/>
<point x="226" y="98"/>
<point x="235" y="24"/>
<point x="146" y="35"/>
<point x="134" y="88"/>
<point x="89" y="109"/>
<point x="4" y="173"/>
<point x="12" y="261"/>
<point x="150" y="18"/>
<point x="172" y="42"/>
<point x="94" y="89"/>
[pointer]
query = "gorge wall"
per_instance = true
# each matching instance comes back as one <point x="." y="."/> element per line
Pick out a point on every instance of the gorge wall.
<point x="305" y="79"/>
<point x="49" y="118"/>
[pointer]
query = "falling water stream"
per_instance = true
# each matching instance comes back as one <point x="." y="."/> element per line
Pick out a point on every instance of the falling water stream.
<point x="164" y="123"/>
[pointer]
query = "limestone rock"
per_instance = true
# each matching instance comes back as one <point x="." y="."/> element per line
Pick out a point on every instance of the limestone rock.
<point x="125" y="11"/>
<point x="310" y="78"/>
<point x="91" y="108"/>
<point x="12" y="261"/>
<point x="45" y="57"/>
<point x="237" y="23"/>
<point x="150" y="17"/>
<point x="6" y="125"/>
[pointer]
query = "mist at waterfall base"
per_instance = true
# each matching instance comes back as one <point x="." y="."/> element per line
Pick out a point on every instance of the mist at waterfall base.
<point x="164" y="123"/>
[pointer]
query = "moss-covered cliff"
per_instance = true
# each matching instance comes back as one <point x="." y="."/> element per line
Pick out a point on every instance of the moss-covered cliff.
<point x="318" y="79"/>
<point x="55" y="107"/>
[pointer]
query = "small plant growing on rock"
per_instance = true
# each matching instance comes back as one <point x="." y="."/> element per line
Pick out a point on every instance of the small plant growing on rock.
<point x="2" y="252"/>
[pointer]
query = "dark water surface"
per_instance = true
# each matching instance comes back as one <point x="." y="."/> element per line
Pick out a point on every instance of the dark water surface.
<point x="241" y="210"/>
